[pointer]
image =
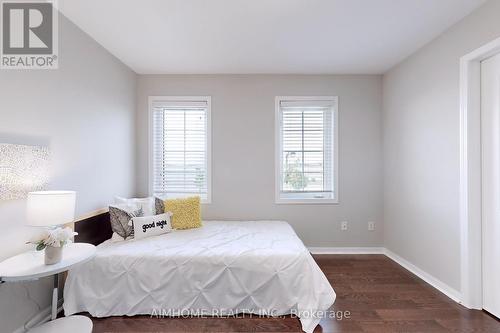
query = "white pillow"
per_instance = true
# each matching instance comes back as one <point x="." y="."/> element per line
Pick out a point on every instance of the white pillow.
<point x="148" y="226"/>
<point x="146" y="204"/>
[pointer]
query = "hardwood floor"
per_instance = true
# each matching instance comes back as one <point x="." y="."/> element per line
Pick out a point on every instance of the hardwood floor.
<point x="380" y="296"/>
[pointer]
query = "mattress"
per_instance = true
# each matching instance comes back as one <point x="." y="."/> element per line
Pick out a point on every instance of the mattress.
<point x="223" y="268"/>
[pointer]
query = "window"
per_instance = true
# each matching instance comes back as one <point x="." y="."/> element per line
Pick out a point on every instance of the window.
<point x="180" y="147"/>
<point x="306" y="149"/>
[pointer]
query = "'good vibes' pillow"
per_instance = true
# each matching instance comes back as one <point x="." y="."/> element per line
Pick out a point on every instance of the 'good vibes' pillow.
<point x="148" y="226"/>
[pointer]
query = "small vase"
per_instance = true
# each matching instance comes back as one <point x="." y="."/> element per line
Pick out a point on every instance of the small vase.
<point x="53" y="255"/>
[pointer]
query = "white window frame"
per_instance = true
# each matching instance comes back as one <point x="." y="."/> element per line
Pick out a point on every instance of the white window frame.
<point x="278" y="144"/>
<point x="208" y="100"/>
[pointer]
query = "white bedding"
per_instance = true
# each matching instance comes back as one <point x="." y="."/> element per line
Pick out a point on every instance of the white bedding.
<point x="222" y="268"/>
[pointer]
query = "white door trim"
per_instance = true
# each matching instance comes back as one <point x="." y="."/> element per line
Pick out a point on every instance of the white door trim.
<point x="470" y="173"/>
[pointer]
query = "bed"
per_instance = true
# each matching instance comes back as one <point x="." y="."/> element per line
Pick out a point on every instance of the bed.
<point x="223" y="268"/>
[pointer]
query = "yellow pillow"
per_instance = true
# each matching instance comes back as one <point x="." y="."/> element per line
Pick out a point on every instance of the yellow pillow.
<point x="186" y="212"/>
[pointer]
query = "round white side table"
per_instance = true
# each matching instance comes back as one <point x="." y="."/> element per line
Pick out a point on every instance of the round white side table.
<point x="73" y="324"/>
<point x="30" y="266"/>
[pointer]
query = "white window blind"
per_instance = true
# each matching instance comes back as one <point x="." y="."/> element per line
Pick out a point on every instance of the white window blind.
<point x="307" y="154"/>
<point x="180" y="148"/>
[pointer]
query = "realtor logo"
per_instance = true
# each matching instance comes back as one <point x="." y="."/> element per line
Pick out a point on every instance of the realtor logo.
<point x="29" y="35"/>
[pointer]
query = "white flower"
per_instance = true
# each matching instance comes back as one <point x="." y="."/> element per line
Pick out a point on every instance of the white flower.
<point x="59" y="236"/>
<point x="54" y="237"/>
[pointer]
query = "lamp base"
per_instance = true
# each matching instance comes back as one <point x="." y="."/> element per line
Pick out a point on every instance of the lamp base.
<point x="53" y="255"/>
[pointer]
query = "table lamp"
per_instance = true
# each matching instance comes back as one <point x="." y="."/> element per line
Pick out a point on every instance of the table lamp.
<point x="51" y="209"/>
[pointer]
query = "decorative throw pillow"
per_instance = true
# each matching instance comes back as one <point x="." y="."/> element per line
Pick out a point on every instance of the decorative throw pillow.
<point x="116" y="238"/>
<point x="148" y="226"/>
<point x="147" y="204"/>
<point x="186" y="212"/>
<point x="159" y="206"/>
<point x="120" y="215"/>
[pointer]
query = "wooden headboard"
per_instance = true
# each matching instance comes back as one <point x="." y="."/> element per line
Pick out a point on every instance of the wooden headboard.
<point x="94" y="229"/>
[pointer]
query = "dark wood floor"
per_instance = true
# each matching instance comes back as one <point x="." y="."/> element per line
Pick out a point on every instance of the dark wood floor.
<point x="380" y="295"/>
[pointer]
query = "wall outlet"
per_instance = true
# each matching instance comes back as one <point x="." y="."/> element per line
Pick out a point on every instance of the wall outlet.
<point x="343" y="225"/>
<point x="371" y="225"/>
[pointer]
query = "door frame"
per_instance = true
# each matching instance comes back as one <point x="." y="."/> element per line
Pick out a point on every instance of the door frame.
<point x="470" y="173"/>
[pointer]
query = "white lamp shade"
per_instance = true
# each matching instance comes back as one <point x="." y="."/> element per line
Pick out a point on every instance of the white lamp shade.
<point x="49" y="208"/>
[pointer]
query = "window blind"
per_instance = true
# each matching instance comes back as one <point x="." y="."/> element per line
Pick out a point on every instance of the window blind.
<point x="307" y="149"/>
<point x="180" y="148"/>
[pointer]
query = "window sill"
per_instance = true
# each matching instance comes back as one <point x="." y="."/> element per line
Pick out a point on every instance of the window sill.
<point x="203" y="201"/>
<point x="306" y="202"/>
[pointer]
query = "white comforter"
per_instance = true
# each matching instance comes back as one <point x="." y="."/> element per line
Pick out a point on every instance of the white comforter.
<point x="222" y="268"/>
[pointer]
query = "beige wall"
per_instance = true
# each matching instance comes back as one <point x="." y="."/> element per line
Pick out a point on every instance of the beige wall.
<point x="421" y="147"/>
<point x="243" y="150"/>
<point x="84" y="111"/>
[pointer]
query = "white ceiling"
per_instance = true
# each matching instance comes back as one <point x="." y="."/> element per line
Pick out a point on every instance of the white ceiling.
<point x="264" y="36"/>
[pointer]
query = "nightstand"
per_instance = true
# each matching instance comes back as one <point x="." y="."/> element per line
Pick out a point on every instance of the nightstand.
<point x="30" y="266"/>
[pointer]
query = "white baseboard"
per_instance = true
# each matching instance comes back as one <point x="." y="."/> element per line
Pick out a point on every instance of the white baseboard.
<point x="346" y="250"/>
<point x="436" y="283"/>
